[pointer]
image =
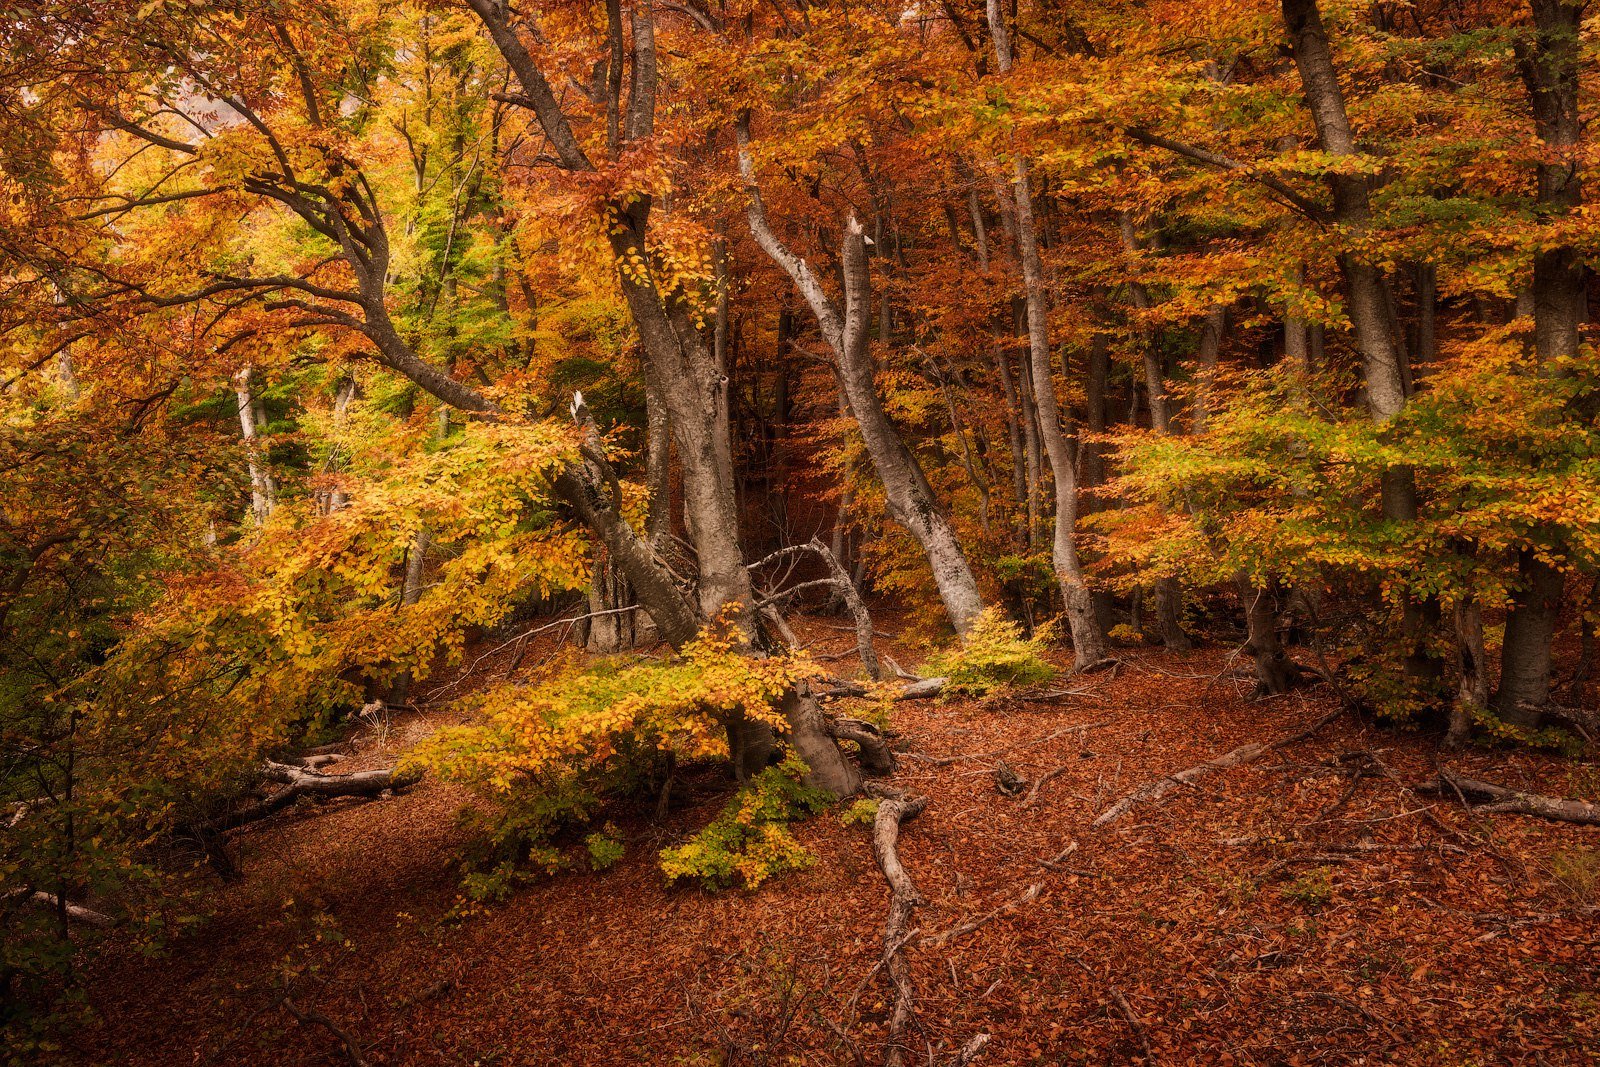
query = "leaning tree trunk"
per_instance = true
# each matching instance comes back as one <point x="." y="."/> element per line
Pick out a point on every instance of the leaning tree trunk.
<point x="910" y="497"/>
<point x="1088" y="641"/>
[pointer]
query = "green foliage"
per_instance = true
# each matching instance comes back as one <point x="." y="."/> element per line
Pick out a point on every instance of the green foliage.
<point x="750" y="840"/>
<point x="1578" y="870"/>
<point x="606" y="848"/>
<point x="994" y="656"/>
<point x="859" y="813"/>
<point x="545" y="757"/>
<point x="1311" y="890"/>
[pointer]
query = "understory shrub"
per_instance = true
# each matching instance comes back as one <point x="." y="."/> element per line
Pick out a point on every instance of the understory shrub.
<point x="994" y="656"/>
<point x="750" y="840"/>
<point x="546" y="758"/>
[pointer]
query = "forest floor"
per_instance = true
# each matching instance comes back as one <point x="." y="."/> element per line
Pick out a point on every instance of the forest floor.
<point x="1305" y="908"/>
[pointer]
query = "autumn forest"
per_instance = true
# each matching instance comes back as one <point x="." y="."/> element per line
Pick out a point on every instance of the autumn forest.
<point x="778" y="532"/>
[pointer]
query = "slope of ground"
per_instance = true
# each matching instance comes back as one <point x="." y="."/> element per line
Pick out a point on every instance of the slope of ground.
<point x="1306" y="908"/>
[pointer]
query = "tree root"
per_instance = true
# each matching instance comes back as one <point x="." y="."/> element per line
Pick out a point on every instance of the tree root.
<point x="903" y="900"/>
<point x="1511" y="801"/>
<point x="306" y="1017"/>
<point x="1243" y="754"/>
<point x="876" y="756"/>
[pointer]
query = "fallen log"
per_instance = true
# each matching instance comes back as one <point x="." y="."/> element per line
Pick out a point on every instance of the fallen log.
<point x="298" y="782"/>
<point x="1512" y="801"/>
<point x="922" y="689"/>
<point x="903" y="900"/>
<point x="1241" y="755"/>
<point x="77" y="913"/>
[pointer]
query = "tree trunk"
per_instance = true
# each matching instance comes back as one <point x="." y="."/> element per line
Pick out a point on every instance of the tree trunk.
<point x="1088" y="640"/>
<point x="263" y="490"/>
<point x="1169" y="592"/>
<point x="1549" y="68"/>
<point x="1472" y="693"/>
<point x="1275" y="672"/>
<point x="1530" y="630"/>
<point x="910" y="497"/>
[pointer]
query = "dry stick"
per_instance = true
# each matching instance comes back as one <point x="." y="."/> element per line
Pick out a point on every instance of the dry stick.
<point x="1514" y="802"/>
<point x="1028" y="896"/>
<point x="306" y="1018"/>
<point x="1123" y="1006"/>
<point x="1241" y="755"/>
<point x="903" y="900"/>
<point x="1038" y="784"/>
<point x="969" y="1051"/>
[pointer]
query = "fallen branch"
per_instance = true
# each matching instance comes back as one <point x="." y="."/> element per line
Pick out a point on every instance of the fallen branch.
<point x="1243" y="754"/>
<point x="1512" y="801"/>
<point x="352" y="1050"/>
<point x="970" y="1051"/>
<point x="922" y="689"/>
<point x="903" y="900"/>
<point x="1139" y="1030"/>
<point x="75" y="912"/>
<point x="303" y="783"/>
<point x="1028" y="896"/>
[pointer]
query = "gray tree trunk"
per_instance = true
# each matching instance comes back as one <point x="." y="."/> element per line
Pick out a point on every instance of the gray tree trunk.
<point x="263" y="490"/>
<point x="1088" y="641"/>
<point x="910" y="497"/>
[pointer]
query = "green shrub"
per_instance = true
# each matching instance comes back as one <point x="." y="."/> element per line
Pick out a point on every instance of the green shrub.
<point x="861" y="813"/>
<point x="994" y="656"/>
<point x="605" y="848"/>
<point x="750" y="840"/>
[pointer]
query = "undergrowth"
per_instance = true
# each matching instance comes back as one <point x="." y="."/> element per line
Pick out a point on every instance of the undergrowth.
<point x="750" y="841"/>
<point x="995" y="656"/>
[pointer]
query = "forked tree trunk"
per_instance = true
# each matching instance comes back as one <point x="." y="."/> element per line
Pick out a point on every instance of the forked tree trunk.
<point x="686" y="373"/>
<point x="910" y="497"/>
<point x="1088" y="641"/>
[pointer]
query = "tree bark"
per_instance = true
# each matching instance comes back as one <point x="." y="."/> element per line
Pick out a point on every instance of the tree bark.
<point x="1549" y="68"/>
<point x="1472" y="692"/>
<point x="1275" y="671"/>
<point x="910" y="497"/>
<point x="1088" y="641"/>
<point x="263" y="490"/>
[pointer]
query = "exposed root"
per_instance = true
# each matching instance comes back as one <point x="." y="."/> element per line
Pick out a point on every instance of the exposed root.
<point x="903" y="900"/>
<point x="305" y="1017"/>
<point x="1511" y="801"/>
<point x="876" y="756"/>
